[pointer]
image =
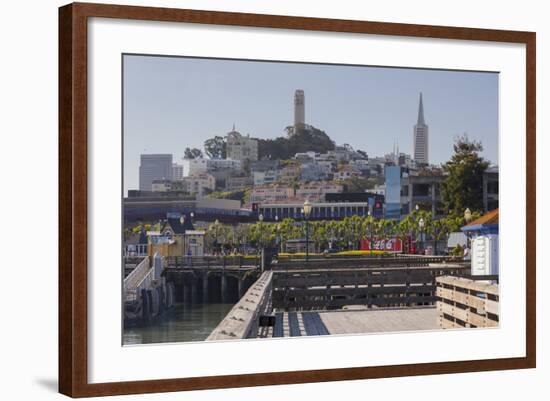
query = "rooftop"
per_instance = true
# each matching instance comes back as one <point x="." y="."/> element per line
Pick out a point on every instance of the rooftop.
<point x="488" y="218"/>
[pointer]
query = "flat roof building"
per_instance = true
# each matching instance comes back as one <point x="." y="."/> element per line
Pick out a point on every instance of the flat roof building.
<point x="154" y="167"/>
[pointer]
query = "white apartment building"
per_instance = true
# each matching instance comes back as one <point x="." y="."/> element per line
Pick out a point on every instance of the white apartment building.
<point x="241" y="147"/>
<point x="271" y="193"/>
<point x="202" y="165"/>
<point x="177" y="171"/>
<point x="316" y="191"/>
<point x="199" y="184"/>
<point x="266" y="177"/>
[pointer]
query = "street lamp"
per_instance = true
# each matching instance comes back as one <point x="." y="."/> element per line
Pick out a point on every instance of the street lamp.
<point x="421" y="226"/>
<point x="278" y="227"/>
<point x="371" y="243"/>
<point x="261" y="219"/>
<point x="467" y="219"/>
<point x="307" y="212"/>
<point x="261" y="240"/>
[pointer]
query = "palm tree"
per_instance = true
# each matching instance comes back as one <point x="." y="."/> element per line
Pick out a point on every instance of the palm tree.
<point x="438" y="230"/>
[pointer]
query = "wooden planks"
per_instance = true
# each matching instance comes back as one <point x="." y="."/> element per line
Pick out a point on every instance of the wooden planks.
<point x="242" y="320"/>
<point x="465" y="302"/>
<point x="380" y="320"/>
<point x="334" y="288"/>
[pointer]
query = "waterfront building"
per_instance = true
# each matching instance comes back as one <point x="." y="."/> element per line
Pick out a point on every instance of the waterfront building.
<point x="241" y="147"/>
<point x="176" y="237"/>
<point x="154" y="167"/>
<point x="374" y="200"/>
<point x="421" y="137"/>
<point x="199" y="184"/>
<point x="319" y="210"/>
<point x="483" y="236"/>
<point x="150" y="206"/>
<point x="299" y="109"/>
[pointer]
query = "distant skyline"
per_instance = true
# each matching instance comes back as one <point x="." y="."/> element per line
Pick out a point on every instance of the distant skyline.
<point x="171" y="103"/>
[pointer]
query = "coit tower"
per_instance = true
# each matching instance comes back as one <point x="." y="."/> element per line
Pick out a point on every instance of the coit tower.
<point x="299" y="108"/>
<point x="420" y="137"/>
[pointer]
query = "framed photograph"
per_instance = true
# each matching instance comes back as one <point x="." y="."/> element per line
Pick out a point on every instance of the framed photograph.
<point x="252" y="200"/>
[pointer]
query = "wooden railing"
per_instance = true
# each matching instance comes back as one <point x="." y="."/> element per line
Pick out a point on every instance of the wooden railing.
<point x="465" y="302"/>
<point x="212" y="262"/>
<point x="365" y="261"/>
<point x="243" y="319"/>
<point x="371" y="287"/>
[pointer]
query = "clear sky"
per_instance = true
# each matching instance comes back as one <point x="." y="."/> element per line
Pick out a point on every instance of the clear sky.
<point x="171" y="103"/>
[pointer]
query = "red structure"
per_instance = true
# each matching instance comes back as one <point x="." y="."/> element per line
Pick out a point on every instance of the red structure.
<point x="392" y="244"/>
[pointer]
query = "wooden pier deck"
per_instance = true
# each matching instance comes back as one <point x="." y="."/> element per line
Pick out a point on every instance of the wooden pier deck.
<point x="361" y="321"/>
<point x="381" y="320"/>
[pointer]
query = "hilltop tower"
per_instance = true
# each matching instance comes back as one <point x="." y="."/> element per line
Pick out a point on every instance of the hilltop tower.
<point x="420" y="137"/>
<point x="299" y="108"/>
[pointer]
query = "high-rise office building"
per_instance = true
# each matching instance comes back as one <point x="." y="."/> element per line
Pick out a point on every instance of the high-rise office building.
<point x="420" y="137"/>
<point x="299" y="108"/>
<point x="154" y="167"/>
<point x="177" y="172"/>
<point x="393" y="192"/>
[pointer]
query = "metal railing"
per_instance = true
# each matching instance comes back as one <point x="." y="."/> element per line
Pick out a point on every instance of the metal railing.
<point x="136" y="250"/>
<point x="137" y="279"/>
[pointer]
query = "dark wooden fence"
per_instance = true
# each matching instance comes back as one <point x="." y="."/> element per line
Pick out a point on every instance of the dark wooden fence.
<point x="362" y="262"/>
<point x="325" y="289"/>
<point x="212" y="262"/>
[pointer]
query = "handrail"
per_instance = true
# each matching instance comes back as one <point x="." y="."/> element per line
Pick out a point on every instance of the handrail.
<point x="243" y="319"/>
<point x="133" y="281"/>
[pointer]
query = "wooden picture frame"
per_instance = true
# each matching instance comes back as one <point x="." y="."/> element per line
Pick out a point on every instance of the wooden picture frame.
<point x="73" y="203"/>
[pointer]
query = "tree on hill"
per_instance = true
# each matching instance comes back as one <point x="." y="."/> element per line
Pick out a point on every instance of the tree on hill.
<point x="303" y="139"/>
<point x="242" y="195"/>
<point x="360" y="184"/>
<point x="463" y="186"/>
<point x="216" y="148"/>
<point x="192" y="153"/>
